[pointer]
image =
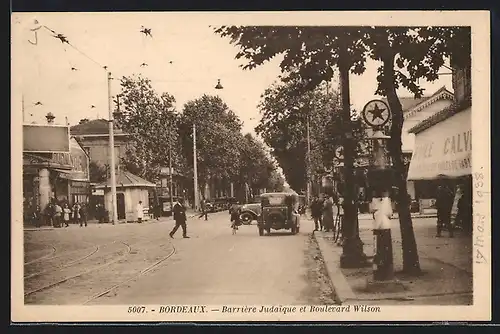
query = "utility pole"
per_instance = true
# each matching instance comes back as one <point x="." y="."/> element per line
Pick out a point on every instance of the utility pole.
<point x="170" y="174"/>
<point x="22" y="106"/>
<point x="195" y="171"/>
<point x="308" y="190"/>
<point x="112" y="153"/>
<point x="352" y="248"/>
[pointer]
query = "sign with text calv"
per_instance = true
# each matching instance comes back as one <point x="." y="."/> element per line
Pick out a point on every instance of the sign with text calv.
<point x="444" y="149"/>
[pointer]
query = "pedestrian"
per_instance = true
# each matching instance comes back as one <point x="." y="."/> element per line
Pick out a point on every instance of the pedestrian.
<point x="76" y="213"/>
<point x="37" y="217"/>
<point x="57" y="215"/>
<point x="48" y="214"/>
<point x="235" y="219"/>
<point x="316" y="208"/>
<point x="444" y="203"/>
<point x="66" y="214"/>
<point x="204" y="212"/>
<point x="464" y="214"/>
<point x="140" y="212"/>
<point x="83" y="214"/>
<point x="180" y="218"/>
<point x="328" y="212"/>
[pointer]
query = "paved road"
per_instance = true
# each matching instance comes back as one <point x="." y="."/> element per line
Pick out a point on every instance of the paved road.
<point x="212" y="267"/>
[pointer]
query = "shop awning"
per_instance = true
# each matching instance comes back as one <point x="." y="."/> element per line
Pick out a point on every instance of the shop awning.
<point x="70" y="175"/>
<point x="443" y="150"/>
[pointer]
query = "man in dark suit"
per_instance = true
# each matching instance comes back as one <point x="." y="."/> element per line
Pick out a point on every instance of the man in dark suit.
<point x="180" y="218"/>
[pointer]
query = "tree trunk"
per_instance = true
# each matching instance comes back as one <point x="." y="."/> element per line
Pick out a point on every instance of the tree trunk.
<point x="352" y="248"/>
<point x="411" y="264"/>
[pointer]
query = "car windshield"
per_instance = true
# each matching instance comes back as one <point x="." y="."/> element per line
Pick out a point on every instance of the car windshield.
<point x="274" y="200"/>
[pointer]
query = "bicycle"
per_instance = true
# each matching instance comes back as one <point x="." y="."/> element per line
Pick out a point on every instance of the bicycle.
<point x="234" y="228"/>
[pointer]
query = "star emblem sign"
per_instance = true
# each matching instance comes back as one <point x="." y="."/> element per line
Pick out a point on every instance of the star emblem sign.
<point x="376" y="113"/>
<point x="339" y="152"/>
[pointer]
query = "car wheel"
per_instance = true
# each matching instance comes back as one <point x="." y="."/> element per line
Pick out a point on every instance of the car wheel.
<point x="246" y="218"/>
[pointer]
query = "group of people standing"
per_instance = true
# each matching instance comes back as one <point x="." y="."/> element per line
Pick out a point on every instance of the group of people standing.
<point x="59" y="214"/>
<point x="325" y="209"/>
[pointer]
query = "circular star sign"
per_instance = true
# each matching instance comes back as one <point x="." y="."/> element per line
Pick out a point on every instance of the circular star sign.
<point x="376" y="113"/>
<point x="339" y="153"/>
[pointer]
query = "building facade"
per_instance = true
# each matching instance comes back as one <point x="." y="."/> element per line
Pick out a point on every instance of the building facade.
<point x="443" y="143"/>
<point x="55" y="176"/>
<point x="93" y="135"/>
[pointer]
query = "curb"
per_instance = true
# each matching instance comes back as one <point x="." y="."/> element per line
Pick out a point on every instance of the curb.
<point x="341" y="287"/>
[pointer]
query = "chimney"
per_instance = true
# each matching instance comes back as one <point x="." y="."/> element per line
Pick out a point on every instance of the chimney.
<point x="50" y="118"/>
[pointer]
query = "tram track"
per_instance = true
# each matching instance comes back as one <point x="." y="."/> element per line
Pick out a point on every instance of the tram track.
<point x="66" y="265"/>
<point x="133" y="278"/>
<point x="70" y="277"/>
<point x="76" y="284"/>
<point x="42" y="258"/>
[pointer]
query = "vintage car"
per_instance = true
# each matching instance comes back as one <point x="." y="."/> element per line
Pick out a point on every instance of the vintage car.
<point x="250" y="212"/>
<point x="279" y="211"/>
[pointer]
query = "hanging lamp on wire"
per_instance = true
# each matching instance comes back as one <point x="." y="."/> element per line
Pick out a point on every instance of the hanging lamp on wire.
<point x="218" y="86"/>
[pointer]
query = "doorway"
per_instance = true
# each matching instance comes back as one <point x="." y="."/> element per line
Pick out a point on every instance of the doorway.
<point x="120" y="205"/>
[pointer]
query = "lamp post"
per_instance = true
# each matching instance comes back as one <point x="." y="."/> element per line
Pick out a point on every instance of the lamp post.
<point x="195" y="171"/>
<point x="376" y="114"/>
<point x="112" y="152"/>
<point x="308" y="189"/>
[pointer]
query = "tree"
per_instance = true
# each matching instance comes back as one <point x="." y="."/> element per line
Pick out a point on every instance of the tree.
<point x="217" y="138"/>
<point x="310" y="53"/>
<point x="256" y="167"/>
<point x="150" y="120"/>
<point x="420" y="52"/>
<point x="283" y="128"/>
<point x="97" y="172"/>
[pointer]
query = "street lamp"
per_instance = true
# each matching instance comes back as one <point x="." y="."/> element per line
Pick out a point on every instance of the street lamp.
<point x="218" y="86"/>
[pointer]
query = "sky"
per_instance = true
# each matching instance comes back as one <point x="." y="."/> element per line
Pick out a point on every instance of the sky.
<point x="199" y="58"/>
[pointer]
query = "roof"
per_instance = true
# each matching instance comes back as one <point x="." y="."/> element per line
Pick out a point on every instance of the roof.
<point x="440" y="116"/>
<point x="408" y="102"/>
<point x="93" y="127"/>
<point x="127" y="179"/>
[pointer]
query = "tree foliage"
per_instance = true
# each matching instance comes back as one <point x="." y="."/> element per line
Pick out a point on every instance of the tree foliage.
<point x="406" y="55"/>
<point x="283" y="127"/>
<point x="97" y="172"/>
<point x="150" y="120"/>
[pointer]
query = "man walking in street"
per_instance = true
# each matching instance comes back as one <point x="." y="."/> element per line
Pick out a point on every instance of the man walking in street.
<point x="180" y="218"/>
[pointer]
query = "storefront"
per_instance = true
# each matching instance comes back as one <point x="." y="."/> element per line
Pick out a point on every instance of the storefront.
<point x="61" y="176"/>
<point x="443" y="147"/>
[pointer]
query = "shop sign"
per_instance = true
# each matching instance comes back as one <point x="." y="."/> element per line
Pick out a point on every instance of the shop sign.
<point x="46" y="138"/>
<point x="444" y="149"/>
<point x="77" y="160"/>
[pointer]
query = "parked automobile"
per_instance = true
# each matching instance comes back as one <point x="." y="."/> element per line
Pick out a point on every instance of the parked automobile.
<point x="250" y="212"/>
<point x="279" y="211"/>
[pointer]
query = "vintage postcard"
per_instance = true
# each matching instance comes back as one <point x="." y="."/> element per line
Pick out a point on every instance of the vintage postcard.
<point x="251" y="166"/>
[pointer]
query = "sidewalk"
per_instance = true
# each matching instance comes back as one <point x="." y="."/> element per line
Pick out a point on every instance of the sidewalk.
<point x="189" y="213"/>
<point x="446" y="264"/>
